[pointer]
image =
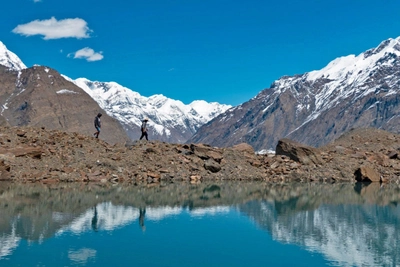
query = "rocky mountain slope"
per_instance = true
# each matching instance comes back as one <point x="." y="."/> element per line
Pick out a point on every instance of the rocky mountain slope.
<point x="317" y="107"/>
<point x="40" y="96"/>
<point x="169" y="120"/>
<point x="51" y="156"/>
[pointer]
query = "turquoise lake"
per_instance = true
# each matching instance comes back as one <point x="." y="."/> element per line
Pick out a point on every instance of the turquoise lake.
<point x="207" y="224"/>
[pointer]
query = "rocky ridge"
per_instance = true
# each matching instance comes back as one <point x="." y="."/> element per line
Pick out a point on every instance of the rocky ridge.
<point x="50" y="156"/>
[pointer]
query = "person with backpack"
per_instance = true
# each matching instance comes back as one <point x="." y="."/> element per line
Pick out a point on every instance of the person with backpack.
<point x="97" y="125"/>
<point x="143" y="128"/>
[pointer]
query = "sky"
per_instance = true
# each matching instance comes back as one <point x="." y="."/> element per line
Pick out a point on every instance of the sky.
<point x="223" y="51"/>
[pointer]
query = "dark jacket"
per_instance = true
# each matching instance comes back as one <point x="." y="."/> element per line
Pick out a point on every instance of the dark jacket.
<point x="97" y="122"/>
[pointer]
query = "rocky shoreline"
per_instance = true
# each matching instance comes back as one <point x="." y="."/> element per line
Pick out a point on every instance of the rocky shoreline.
<point x="31" y="155"/>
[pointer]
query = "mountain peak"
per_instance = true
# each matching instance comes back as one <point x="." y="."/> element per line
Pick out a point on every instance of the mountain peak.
<point x="9" y="59"/>
<point x="389" y="45"/>
<point x="357" y="68"/>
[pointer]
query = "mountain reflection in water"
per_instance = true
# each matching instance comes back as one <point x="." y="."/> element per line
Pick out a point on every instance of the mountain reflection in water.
<point x="349" y="225"/>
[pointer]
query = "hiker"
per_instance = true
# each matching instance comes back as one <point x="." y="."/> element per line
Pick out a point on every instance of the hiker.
<point x="142" y="213"/>
<point x="97" y="125"/>
<point x="95" y="219"/>
<point x="143" y="128"/>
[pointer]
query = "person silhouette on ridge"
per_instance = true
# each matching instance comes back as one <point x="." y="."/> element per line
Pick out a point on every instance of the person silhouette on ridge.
<point x="143" y="128"/>
<point x="97" y="125"/>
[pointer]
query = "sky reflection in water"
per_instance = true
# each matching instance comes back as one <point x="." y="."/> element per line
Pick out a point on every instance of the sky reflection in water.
<point x="229" y="224"/>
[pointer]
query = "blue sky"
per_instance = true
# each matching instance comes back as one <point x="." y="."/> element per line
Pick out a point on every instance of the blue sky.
<point x="216" y="50"/>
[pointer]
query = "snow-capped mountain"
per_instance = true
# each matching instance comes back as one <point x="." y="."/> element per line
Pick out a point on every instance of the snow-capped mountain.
<point x="9" y="59"/>
<point x="329" y="230"/>
<point x="169" y="120"/>
<point x="317" y="107"/>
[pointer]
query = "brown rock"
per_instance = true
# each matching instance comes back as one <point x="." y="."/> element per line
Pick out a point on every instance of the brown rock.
<point x="393" y="155"/>
<point x="212" y="166"/>
<point x="32" y="152"/>
<point x="152" y="150"/>
<point x="154" y="175"/>
<point x="217" y="156"/>
<point x="274" y="165"/>
<point x="200" y="150"/>
<point x="4" y="166"/>
<point x="342" y="150"/>
<point x="366" y="174"/>
<point x="116" y="157"/>
<point x="21" y="133"/>
<point x="244" y="147"/>
<point x="380" y="159"/>
<point x="298" y="152"/>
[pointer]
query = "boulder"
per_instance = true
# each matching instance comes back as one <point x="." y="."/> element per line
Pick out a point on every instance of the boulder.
<point x="217" y="156"/>
<point x="366" y="174"/>
<point x="4" y="166"/>
<point x="212" y="166"/>
<point x="200" y="150"/>
<point x="298" y="152"/>
<point x="393" y="155"/>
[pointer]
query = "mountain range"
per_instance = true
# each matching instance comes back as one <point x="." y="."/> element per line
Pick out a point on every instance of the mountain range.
<point x="313" y="108"/>
<point x="317" y="107"/>
<point x="169" y="120"/>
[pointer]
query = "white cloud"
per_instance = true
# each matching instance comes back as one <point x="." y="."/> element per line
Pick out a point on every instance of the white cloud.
<point x="55" y="29"/>
<point x="87" y="53"/>
<point x="37" y="1"/>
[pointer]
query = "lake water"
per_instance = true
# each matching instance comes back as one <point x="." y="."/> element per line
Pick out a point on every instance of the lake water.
<point x="208" y="224"/>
